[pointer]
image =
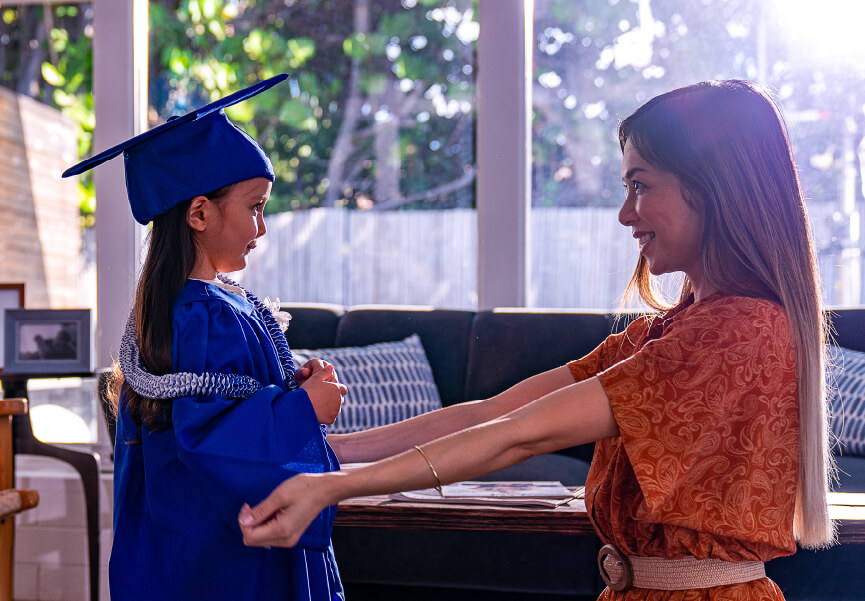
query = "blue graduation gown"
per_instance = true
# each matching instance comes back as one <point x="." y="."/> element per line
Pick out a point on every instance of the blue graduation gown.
<point x="177" y="492"/>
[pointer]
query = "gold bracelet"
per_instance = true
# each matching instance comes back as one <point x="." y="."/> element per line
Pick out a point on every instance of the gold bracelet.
<point x="438" y="485"/>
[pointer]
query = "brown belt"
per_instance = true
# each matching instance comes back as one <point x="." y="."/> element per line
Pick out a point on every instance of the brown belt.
<point x="622" y="572"/>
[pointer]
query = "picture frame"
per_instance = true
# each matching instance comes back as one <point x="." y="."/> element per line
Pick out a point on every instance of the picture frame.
<point x="11" y="297"/>
<point x="47" y="341"/>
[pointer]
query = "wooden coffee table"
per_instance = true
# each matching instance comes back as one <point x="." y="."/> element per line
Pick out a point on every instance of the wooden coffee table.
<point x="847" y="509"/>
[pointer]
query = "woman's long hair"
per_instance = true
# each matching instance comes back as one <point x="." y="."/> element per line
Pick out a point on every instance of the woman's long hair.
<point x="171" y="256"/>
<point x="727" y="144"/>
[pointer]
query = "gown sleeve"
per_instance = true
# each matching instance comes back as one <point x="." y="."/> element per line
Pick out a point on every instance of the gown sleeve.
<point x="708" y="416"/>
<point x="239" y="450"/>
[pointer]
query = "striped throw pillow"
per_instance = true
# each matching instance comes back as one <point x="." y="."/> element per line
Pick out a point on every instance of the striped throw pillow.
<point x="847" y="399"/>
<point x="387" y="382"/>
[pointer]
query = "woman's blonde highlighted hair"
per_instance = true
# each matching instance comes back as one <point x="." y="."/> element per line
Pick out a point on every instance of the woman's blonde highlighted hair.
<point x="727" y="143"/>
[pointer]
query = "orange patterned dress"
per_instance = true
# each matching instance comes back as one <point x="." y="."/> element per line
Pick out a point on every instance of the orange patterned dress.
<point x="705" y="397"/>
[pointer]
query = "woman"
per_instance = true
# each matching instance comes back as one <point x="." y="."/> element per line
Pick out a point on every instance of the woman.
<point x="710" y="416"/>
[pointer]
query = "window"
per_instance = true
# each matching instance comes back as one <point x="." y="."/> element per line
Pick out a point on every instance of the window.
<point x="45" y="53"/>
<point x="596" y="62"/>
<point x="65" y="410"/>
<point x="372" y="138"/>
<point x="635" y="49"/>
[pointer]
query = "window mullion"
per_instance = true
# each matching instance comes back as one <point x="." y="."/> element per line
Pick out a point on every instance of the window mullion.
<point x="503" y="152"/>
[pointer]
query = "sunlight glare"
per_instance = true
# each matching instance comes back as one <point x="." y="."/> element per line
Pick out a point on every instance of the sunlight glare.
<point x="827" y="29"/>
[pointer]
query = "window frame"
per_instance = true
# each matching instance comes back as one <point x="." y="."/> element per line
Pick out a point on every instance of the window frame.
<point x="503" y="154"/>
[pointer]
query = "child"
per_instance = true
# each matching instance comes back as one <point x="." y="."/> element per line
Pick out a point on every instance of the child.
<point x="209" y="414"/>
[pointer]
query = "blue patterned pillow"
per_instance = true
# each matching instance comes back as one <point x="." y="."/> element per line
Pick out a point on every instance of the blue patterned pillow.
<point x="387" y="382"/>
<point x="847" y="399"/>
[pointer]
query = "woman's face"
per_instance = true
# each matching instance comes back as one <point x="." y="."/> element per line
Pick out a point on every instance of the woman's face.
<point x="239" y="222"/>
<point x="668" y="230"/>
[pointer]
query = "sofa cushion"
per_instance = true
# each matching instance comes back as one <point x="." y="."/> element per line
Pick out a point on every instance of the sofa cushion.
<point x="387" y="382"/>
<point x="312" y="325"/>
<point x="510" y="345"/>
<point x="848" y="327"/>
<point x="851" y="474"/>
<point x="847" y="400"/>
<point x="444" y="334"/>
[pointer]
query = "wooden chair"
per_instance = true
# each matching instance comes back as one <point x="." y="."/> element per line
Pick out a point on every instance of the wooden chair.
<point x="12" y="501"/>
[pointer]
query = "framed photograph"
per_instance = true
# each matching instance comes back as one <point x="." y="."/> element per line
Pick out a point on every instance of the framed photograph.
<point x="11" y="297"/>
<point x="49" y="341"/>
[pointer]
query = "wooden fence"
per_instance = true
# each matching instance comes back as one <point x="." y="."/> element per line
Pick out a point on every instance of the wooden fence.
<point x="580" y="257"/>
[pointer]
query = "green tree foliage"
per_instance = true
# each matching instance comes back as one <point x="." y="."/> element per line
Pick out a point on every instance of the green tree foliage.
<point x="598" y="60"/>
<point x="46" y="53"/>
<point x="378" y="112"/>
<point x="366" y="119"/>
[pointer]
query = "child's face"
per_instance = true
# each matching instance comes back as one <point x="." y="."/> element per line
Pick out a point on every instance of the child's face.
<point x="239" y="223"/>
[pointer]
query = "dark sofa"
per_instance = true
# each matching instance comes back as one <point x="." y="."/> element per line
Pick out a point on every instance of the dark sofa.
<point x="474" y="355"/>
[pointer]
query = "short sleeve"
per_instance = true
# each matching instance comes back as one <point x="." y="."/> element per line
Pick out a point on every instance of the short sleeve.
<point x="708" y="415"/>
<point x="608" y="352"/>
<point x="241" y="449"/>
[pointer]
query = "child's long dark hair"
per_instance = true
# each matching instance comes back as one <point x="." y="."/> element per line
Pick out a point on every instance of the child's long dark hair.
<point x="171" y="257"/>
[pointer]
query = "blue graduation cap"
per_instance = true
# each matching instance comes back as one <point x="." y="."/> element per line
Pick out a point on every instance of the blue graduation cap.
<point x="187" y="156"/>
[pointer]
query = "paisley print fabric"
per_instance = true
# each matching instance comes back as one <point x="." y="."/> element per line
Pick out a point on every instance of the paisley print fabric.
<point x="705" y="398"/>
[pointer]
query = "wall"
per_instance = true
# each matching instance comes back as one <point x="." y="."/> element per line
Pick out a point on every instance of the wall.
<point x="40" y="237"/>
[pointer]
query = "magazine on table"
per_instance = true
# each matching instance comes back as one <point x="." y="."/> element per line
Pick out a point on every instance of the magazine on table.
<point x="518" y="494"/>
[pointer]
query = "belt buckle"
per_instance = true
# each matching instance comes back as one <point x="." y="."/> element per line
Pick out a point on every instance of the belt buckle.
<point x="625" y="579"/>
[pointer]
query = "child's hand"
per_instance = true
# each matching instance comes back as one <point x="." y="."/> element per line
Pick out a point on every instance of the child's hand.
<point x="325" y="393"/>
<point x="302" y="374"/>
<point x="313" y="366"/>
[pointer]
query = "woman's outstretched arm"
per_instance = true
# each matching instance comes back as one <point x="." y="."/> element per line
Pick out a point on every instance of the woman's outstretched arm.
<point x="378" y="443"/>
<point x="576" y="414"/>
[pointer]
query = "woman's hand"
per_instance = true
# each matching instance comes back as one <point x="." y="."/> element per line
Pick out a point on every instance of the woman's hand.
<point x="281" y="519"/>
<point x="325" y="393"/>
